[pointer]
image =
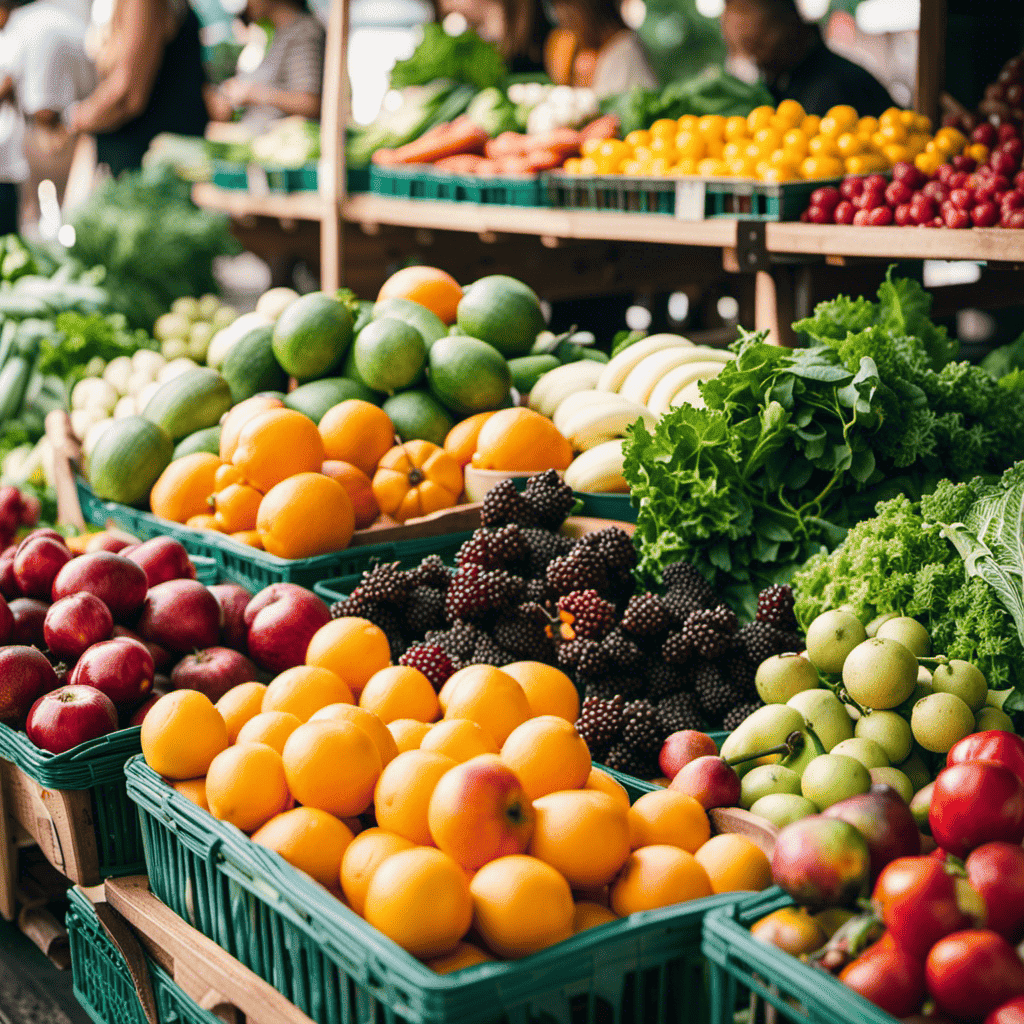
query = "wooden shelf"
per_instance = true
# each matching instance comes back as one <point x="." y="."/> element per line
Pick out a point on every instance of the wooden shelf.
<point x="290" y="206"/>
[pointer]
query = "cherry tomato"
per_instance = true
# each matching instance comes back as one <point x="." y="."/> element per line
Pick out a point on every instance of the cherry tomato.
<point x="897" y="192"/>
<point x="845" y="212"/>
<point x="1009" y="1013"/>
<point x="1015" y="219"/>
<point x="962" y="199"/>
<point x="985" y="134"/>
<point x="996" y="871"/>
<point x="903" y="170"/>
<point x="903" y="216"/>
<point x="937" y="190"/>
<point x="888" y="976"/>
<point x="963" y="162"/>
<point x="850" y="188"/>
<point x="1018" y="180"/>
<point x="880" y="216"/>
<point x="993" y="745"/>
<point x="1004" y="163"/>
<point x="819" y="215"/>
<point x="984" y="215"/>
<point x="970" y="973"/>
<point x="870" y="198"/>
<point x="1007" y="130"/>
<point x="826" y="197"/>
<point x="955" y="218"/>
<point x="861" y="218"/>
<point x="976" y="803"/>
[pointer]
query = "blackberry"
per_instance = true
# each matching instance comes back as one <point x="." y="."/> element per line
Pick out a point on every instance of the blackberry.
<point x="680" y="711"/>
<point x="703" y="634"/>
<point x="613" y="545"/>
<point x="761" y="641"/>
<point x="397" y="645"/>
<point x="680" y="605"/>
<point x="723" y="618"/>
<point x="424" y="610"/>
<point x="737" y="668"/>
<point x="458" y="641"/>
<point x="388" y="583"/>
<point x="353" y="605"/>
<point x="494" y="548"/>
<point x="663" y="680"/>
<point x="715" y="693"/>
<point x="677" y="648"/>
<point x="522" y="632"/>
<point x="474" y="591"/>
<point x="645" y="615"/>
<point x="775" y="606"/>
<point x="586" y="614"/>
<point x="686" y="577"/>
<point x="622" y="652"/>
<point x="487" y="652"/>
<point x="431" y="572"/>
<point x="503" y="504"/>
<point x="541" y="547"/>
<point x="734" y="718"/>
<point x="584" y="657"/>
<point x="385" y="616"/>
<point x="599" y="723"/>
<point x="536" y="591"/>
<point x="432" y="660"/>
<point x="550" y="499"/>
<point x="604" y="687"/>
<point x="641" y="728"/>
<point x="623" y="758"/>
<point x="580" y="569"/>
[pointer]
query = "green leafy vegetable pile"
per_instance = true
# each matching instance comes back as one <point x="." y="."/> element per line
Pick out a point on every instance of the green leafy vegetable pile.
<point x="84" y="336"/>
<point x="463" y="58"/>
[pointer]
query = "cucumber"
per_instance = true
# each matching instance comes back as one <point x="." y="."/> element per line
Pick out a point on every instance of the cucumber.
<point x="7" y="336"/>
<point x="595" y="355"/>
<point x="19" y="307"/>
<point x="250" y="366"/>
<point x="194" y="400"/>
<point x="207" y="440"/>
<point x="527" y="370"/>
<point x="14" y="378"/>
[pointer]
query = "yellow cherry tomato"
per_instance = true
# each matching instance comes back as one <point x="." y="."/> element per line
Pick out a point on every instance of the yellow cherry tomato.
<point x="590" y="146"/>
<point x="735" y="148"/>
<point x="945" y="145"/>
<point x="916" y="142"/>
<point x="849" y="144"/>
<point x="790" y="113"/>
<point x="711" y="126"/>
<point x="588" y="165"/>
<point x="712" y="167"/>
<point x="572" y="165"/>
<point x="822" y="167"/>
<point x="955" y="138"/>
<point x="891" y="114"/>
<point x="690" y="145"/>
<point x="660" y="167"/>
<point x="892" y="131"/>
<point x="896" y="153"/>
<point x="664" y="126"/>
<point x="844" y="114"/>
<point x="686" y="165"/>
<point x="760" y="117"/>
<point x="663" y="145"/>
<point x="772" y="175"/>
<point x="771" y="138"/>
<point x="755" y="151"/>
<point x="643" y="153"/>
<point x="922" y="123"/>
<point x="823" y="145"/>
<point x="880" y="140"/>
<point x="867" y="124"/>
<point x="631" y="167"/>
<point x="978" y="152"/>
<point x="857" y="164"/>
<point x="742" y="168"/>
<point x="614" y="149"/>
<point x="908" y="117"/>
<point x="736" y="128"/>
<point x="714" y="147"/>
<point x="795" y="142"/>
<point x="830" y="127"/>
<point x="784" y="158"/>
<point x="687" y="123"/>
<point x="810" y="125"/>
<point x="637" y="138"/>
<point x="928" y="163"/>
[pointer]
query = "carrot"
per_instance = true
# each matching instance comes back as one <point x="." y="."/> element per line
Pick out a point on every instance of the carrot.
<point x="461" y="163"/>
<point x="544" y="160"/>
<point x="606" y="127"/>
<point x="557" y="138"/>
<point x="506" y="144"/>
<point x="458" y="137"/>
<point x="514" y="165"/>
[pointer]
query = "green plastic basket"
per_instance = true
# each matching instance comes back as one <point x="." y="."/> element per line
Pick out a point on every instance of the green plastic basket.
<point x="103" y="984"/>
<point x="230" y="175"/>
<point x="97" y="766"/>
<point x="607" y="506"/>
<point x="422" y="181"/>
<point x="741" y="967"/>
<point x="292" y="179"/>
<point x="336" y="968"/>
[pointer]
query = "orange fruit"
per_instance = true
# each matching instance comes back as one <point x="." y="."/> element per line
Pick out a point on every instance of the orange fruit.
<point x="364" y="855"/>
<point x="270" y="727"/>
<point x="182" y="489"/>
<point x="310" y="840"/>
<point x="658" y="876"/>
<point x="181" y="735"/>
<point x="428" y="286"/>
<point x="304" y="690"/>
<point x="590" y="915"/>
<point x="368" y="722"/>
<point x="668" y="818"/>
<point x="308" y="514"/>
<point x="547" y="753"/>
<point x="237" y="418"/>
<point x="548" y="690"/>
<point x="490" y="698"/>
<point x="602" y="782"/>
<point x="358" y="433"/>
<point x="251" y="538"/>
<point x="583" y="835"/>
<point x="460" y="739"/>
<point x="333" y="766"/>
<point x="246" y="787"/>
<point x="420" y="899"/>
<point x="276" y="445"/>
<point x="359" y="489"/>
<point x="194" y="790"/>
<point x="240" y="704"/>
<point x="402" y="796"/>
<point x="226" y="474"/>
<point x="352" y="648"/>
<point x="416" y="478"/>
<point x="235" y="508"/>
<point x="408" y="733"/>
<point x="400" y="691"/>
<point x="464" y="955"/>
<point x="203" y="521"/>
<point x="520" y="905"/>
<point x="521" y="439"/>
<point x="735" y="863"/>
<point x="460" y="443"/>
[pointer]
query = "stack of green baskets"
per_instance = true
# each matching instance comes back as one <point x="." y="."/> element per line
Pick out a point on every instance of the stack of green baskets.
<point x="336" y="968"/>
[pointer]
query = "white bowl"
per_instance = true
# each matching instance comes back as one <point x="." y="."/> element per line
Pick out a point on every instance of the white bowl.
<point x="478" y="482"/>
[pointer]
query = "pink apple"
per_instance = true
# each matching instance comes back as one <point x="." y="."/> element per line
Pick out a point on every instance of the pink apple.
<point x="213" y="671"/>
<point x="37" y="562"/>
<point x="25" y="674"/>
<point x="710" y="780"/>
<point x="118" y="582"/>
<point x="121" y="668"/>
<point x="139" y="714"/>
<point x="163" y="559"/>
<point x="6" y="622"/>
<point x="181" y="615"/>
<point x="45" y="531"/>
<point x="73" y="624"/>
<point x="680" y="748"/>
<point x="68" y="716"/>
<point x="233" y="601"/>
<point x="479" y="811"/>
<point x="161" y="658"/>
<point x="281" y="620"/>
<point x="29" y="616"/>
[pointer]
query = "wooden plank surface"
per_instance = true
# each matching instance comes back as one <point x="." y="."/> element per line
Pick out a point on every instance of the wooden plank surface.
<point x="240" y="203"/>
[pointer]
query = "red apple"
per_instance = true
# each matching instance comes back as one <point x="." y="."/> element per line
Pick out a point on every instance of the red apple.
<point x="25" y="674"/>
<point x="181" y="615"/>
<point x="107" y="541"/>
<point x="996" y="870"/>
<point x="709" y="779"/>
<point x="37" y="562"/>
<point x="45" y="531"/>
<point x="9" y="588"/>
<point x="680" y="748"/>
<point x="118" y="582"/>
<point x="31" y="507"/>
<point x="121" y="668"/>
<point x="29" y="615"/>
<point x="139" y="714"/>
<point x="161" y="658"/>
<point x="233" y="601"/>
<point x="213" y="671"/>
<point x="73" y="624"/>
<point x="68" y="716"/>
<point x="6" y="623"/>
<point x="281" y="620"/>
<point x="163" y="559"/>
<point x="479" y="811"/>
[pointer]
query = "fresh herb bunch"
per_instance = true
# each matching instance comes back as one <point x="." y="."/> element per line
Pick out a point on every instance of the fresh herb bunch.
<point x="84" y="336"/>
<point x="462" y="58"/>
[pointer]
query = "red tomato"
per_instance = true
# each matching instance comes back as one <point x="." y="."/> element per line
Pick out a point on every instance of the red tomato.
<point x="827" y="197"/>
<point x="992" y="745"/>
<point x="976" y="803"/>
<point x="880" y="216"/>
<point x="921" y="902"/>
<point x="845" y="212"/>
<point x="970" y="973"/>
<point x="996" y="871"/>
<point x="984" y="215"/>
<point x="1009" y="1013"/>
<point x="888" y="976"/>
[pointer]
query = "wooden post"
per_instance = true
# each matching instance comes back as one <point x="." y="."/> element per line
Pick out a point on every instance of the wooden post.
<point x="931" y="58"/>
<point x="333" y="118"/>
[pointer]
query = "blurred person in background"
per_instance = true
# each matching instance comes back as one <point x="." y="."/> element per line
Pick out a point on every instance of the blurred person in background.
<point x="770" y="37"/>
<point x="518" y="28"/>
<point x="289" y="79"/>
<point x="151" y="79"/>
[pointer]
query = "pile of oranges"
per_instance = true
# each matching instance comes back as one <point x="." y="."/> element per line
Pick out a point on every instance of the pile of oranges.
<point x="431" y="814"/>
<point x="773" y="144"/>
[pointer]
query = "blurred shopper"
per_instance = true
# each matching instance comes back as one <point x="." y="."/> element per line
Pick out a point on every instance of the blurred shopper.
<point x="151" y="81"/>
<point x="289" y="79"/>
<point x="518" y="28"/>
<point x="789" y="53"/>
